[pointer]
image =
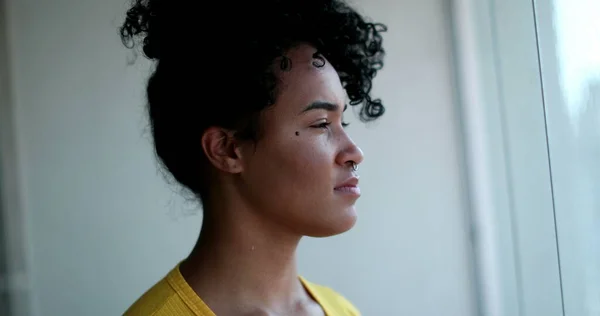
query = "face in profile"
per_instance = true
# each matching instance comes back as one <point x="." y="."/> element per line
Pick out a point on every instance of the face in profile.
<point x="299" y="173"/>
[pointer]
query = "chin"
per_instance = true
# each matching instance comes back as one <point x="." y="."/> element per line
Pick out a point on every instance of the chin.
<point x="336" y="226"/>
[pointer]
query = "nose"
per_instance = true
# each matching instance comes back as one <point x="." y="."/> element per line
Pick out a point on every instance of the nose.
<point x="350" y="154"/>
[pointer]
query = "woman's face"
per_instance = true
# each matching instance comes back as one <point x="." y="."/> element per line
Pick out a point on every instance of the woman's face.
<point x="299" y="173"/>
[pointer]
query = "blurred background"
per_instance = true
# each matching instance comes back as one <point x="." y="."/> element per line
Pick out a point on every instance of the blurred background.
<point x="481" y="183"/>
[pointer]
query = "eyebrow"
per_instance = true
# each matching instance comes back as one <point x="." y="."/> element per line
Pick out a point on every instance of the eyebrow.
<point x="321" y="105"/>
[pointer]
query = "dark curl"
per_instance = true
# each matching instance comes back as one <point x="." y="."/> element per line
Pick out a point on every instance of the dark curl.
<point x="214" y="65"/>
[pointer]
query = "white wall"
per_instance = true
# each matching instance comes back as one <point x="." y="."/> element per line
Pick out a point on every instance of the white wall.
<point x="104" y="226"/>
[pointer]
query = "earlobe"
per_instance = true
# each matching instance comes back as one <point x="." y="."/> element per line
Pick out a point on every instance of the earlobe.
<point x="219" y="146"/>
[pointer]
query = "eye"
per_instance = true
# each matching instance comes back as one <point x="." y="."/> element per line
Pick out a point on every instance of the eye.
<point x="324" y="124"/>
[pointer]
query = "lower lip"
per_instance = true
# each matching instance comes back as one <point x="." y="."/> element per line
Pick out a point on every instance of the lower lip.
<point x="349" y="190"/>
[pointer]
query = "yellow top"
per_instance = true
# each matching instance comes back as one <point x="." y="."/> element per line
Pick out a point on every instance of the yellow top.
<point x="172" y="296"/>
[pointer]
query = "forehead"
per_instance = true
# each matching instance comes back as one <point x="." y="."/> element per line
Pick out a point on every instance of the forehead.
<point x="305" y="83"/>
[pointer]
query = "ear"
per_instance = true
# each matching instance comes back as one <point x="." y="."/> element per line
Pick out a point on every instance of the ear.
<point x="221" y="150"/>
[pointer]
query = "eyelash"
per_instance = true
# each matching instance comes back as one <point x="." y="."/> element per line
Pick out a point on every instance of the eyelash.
<point x="326" y="125"/>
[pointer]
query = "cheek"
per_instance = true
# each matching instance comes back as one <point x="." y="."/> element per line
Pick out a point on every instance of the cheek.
<point x="308" y="159"/>
<point x="298" y="164"/>
<point x="293" y="183"/>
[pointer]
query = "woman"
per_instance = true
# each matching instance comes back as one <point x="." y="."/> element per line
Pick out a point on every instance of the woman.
<point x="245" y="106"/>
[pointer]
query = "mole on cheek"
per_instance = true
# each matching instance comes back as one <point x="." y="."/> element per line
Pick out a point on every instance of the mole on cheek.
<point x="297" y="133"/>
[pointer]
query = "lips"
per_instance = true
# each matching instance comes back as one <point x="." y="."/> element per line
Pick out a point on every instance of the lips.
<point x="349" y="186"/>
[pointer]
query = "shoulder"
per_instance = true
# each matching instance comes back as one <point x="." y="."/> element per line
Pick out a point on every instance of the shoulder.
<point x="332" y="301"/>
<point x="160" y="300"/>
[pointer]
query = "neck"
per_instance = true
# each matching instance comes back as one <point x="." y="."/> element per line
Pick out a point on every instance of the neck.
<point x="244" y="260"/>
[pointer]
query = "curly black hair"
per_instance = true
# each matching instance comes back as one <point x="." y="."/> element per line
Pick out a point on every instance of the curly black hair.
<point x="214" y="66"/>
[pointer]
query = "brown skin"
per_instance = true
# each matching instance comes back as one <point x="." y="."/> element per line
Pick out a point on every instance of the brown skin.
<point x="269" y="193"/>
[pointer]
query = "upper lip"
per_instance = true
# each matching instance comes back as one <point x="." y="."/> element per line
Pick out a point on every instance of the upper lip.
<point x="350" y="182"/>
